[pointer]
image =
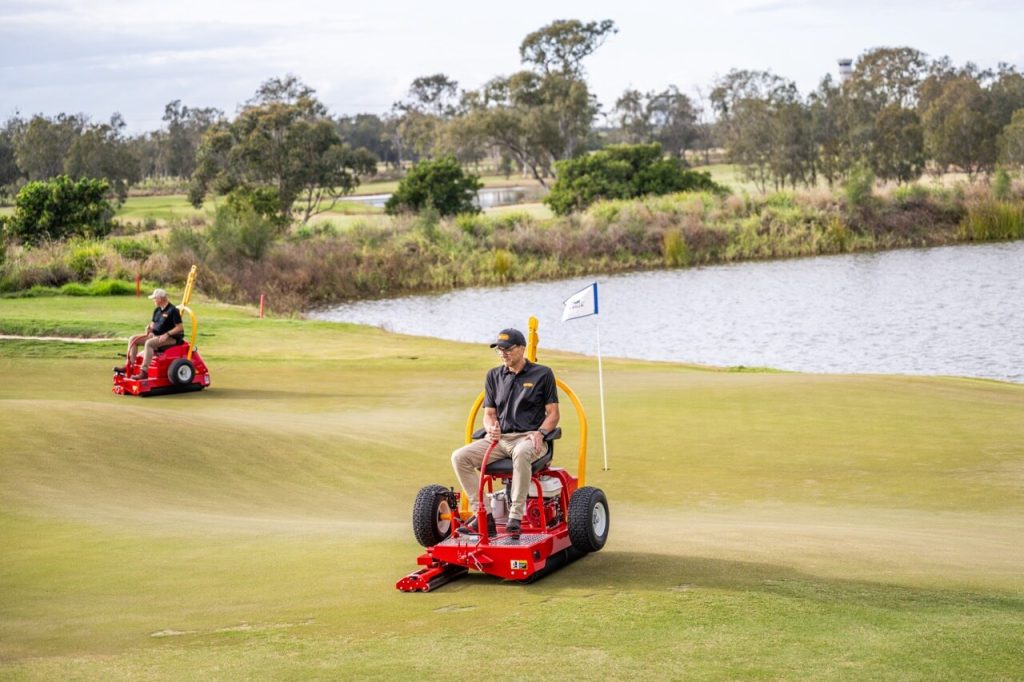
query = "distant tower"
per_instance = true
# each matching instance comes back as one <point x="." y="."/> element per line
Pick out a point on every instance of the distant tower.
<point x="845" y="69"/>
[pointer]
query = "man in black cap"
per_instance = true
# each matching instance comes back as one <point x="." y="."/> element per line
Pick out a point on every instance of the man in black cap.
<point x="520" y="409"/>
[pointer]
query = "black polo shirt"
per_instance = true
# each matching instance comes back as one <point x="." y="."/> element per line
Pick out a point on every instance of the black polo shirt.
<point x="520" y="398"/>
<point x="165" y="319"/>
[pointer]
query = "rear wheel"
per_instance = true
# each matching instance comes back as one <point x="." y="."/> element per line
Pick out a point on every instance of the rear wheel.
<point x="432" y="514"/>
<point x="589" y="519"/>
<point x="181" y="372"/>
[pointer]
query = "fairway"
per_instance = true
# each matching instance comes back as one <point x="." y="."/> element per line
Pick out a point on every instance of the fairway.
<point x="764" y="525"/>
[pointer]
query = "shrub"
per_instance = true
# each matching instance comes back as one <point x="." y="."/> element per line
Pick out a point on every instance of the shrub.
<point x="621" y="172"/>
<point x="85" y="260"/>
<point x="59" y="208"/>
<point x="441" y="184"/>
<point x="132" y="249"/>
<point x="674" y="250"/>
<point x="239" y="231"/>
<point x="859" y="187"/>
<point x="1002" y="186"/>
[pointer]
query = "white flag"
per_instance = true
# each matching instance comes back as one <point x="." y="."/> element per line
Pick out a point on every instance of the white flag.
<point x="581" y="304"/>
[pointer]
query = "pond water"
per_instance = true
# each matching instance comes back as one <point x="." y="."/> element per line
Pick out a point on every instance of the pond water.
<point x="955" y="310"/>
<point x="485" y="198"/>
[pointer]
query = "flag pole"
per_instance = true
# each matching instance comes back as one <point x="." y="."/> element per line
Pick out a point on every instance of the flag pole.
<point x="600" y="388"/>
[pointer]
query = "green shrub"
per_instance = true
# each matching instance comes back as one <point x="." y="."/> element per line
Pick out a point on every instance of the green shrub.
<point x="85" y="260"/>
<point x="239" y="231"/>
<point x="911" y="194"/>
<point x="59" y="208"/>
<point x="112" y="287"/>
<point x="621" y="172"/>
<point x="441" y="184"/>
<point x="1002" y="186"/>
<point x="503" y="262"/>
<point x="859" y="187"/>
<point x="132" y="249"/>
<point x="74" y="289"/>
<point x="675" y="250"/>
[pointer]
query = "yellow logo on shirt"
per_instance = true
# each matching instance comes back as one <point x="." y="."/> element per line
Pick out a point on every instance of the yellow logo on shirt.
<point x="527" y="385"/>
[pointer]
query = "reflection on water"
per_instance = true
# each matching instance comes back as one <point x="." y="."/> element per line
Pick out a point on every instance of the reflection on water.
<point x="485" y="198"/>
<point x="952" y="310"/>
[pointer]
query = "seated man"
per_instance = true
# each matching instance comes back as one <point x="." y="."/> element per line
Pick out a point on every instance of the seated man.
<point x="164" y="330"/>
<point x="520" y="409"/>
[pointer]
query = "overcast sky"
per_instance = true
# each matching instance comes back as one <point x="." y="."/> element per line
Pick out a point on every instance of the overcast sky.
<point x="134" y="56"/>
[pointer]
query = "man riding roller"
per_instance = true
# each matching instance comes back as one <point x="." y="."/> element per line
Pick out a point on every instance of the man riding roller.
<point x="165" y="329"/>
<point x="520" y="409"/>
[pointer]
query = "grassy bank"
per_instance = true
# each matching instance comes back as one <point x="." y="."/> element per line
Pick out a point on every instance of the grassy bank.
<point x="355" y="255"/>
<point x="764" y="525"/>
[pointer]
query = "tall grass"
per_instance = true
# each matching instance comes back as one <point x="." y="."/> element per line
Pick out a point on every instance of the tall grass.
<point x="992" y="221"/>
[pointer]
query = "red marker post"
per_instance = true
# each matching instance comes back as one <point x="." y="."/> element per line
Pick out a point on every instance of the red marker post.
<point x="263" y="300"/>
<point x="138" y="284"/>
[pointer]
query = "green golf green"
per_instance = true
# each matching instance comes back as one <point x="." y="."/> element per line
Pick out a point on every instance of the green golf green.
<point x="764" y="525"/>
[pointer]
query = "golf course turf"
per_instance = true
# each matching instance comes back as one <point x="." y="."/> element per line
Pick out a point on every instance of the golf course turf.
<point x="764" y="525"/>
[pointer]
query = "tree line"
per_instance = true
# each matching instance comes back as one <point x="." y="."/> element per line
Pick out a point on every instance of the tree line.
<point x="896" y="117"/>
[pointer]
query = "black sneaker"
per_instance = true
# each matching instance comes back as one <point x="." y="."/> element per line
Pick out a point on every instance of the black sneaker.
<point x="513" y="527"/>
<point x="470" y="526"/>
<point x="119" y="370"/>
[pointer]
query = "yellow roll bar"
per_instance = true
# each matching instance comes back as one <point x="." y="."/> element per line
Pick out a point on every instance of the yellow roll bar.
<point x="184" y="306"/>
<point x="531" y="354"/>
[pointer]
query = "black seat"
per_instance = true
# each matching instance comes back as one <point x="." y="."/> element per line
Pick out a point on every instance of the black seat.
<point x="500" y="467"/>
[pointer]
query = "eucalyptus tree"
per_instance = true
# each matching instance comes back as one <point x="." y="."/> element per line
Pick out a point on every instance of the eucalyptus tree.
<point x="44" y="143"/>
<point x="766" y="126"/>
<point x="103" y="151"/>
<point x="545" y="114"/>
<point x="282" y="142"/>
<point x="1011" y="141"/>
<point x="185" y="128"/>
<point x="668" y="117"/>
<point x="959" y="126"/>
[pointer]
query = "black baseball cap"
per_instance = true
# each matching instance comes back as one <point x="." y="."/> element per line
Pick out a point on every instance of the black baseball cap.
<point x="508" y="338"/>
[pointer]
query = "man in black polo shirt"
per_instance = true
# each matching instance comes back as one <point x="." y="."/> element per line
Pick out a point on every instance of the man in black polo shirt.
<point x="164" y="330"/>
<point x="520" y="409"/>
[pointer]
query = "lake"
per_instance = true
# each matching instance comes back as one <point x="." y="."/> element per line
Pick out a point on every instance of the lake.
<point x="485" y="198"/>
<point x="956" y="310"/>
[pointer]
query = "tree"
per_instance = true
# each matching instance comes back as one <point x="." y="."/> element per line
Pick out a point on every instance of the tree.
<point x="421" y="117"/>
<point x="888" y="75"/>
<point x="898" y="149"/>
<point x="9" y="171"/>
<point x="59" y="208"/>
<point x="102" y="151"/>
<point x="440" y="184"/>
<point x="185" y="129"/>
<point x="1011" y="141"/>
<point x="958" y="127"/>
<point x="621" y="172"/>
<point x="370" y="132"/>
<point x="561" y="46"/>
<point x="668" y="117"/>
<point x="45" y="143"/>
<point x="282" y="139"/>
<point x="829" y="132"/>
<point x="767" y="129"/>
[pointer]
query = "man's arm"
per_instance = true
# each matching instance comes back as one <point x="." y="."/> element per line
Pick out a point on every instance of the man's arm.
<point x="491" y="423"/>
<point x="175" y="330"/>
<point x="551" y="417"/>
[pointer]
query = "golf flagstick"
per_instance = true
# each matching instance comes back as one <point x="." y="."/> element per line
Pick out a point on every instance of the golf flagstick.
<point x="583" y="304"/>
<point x="600" y="388"/>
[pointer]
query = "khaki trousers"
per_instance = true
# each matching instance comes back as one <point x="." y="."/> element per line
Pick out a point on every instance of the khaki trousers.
<point x="153" y="344"/>
<point x="517" y="446"/>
